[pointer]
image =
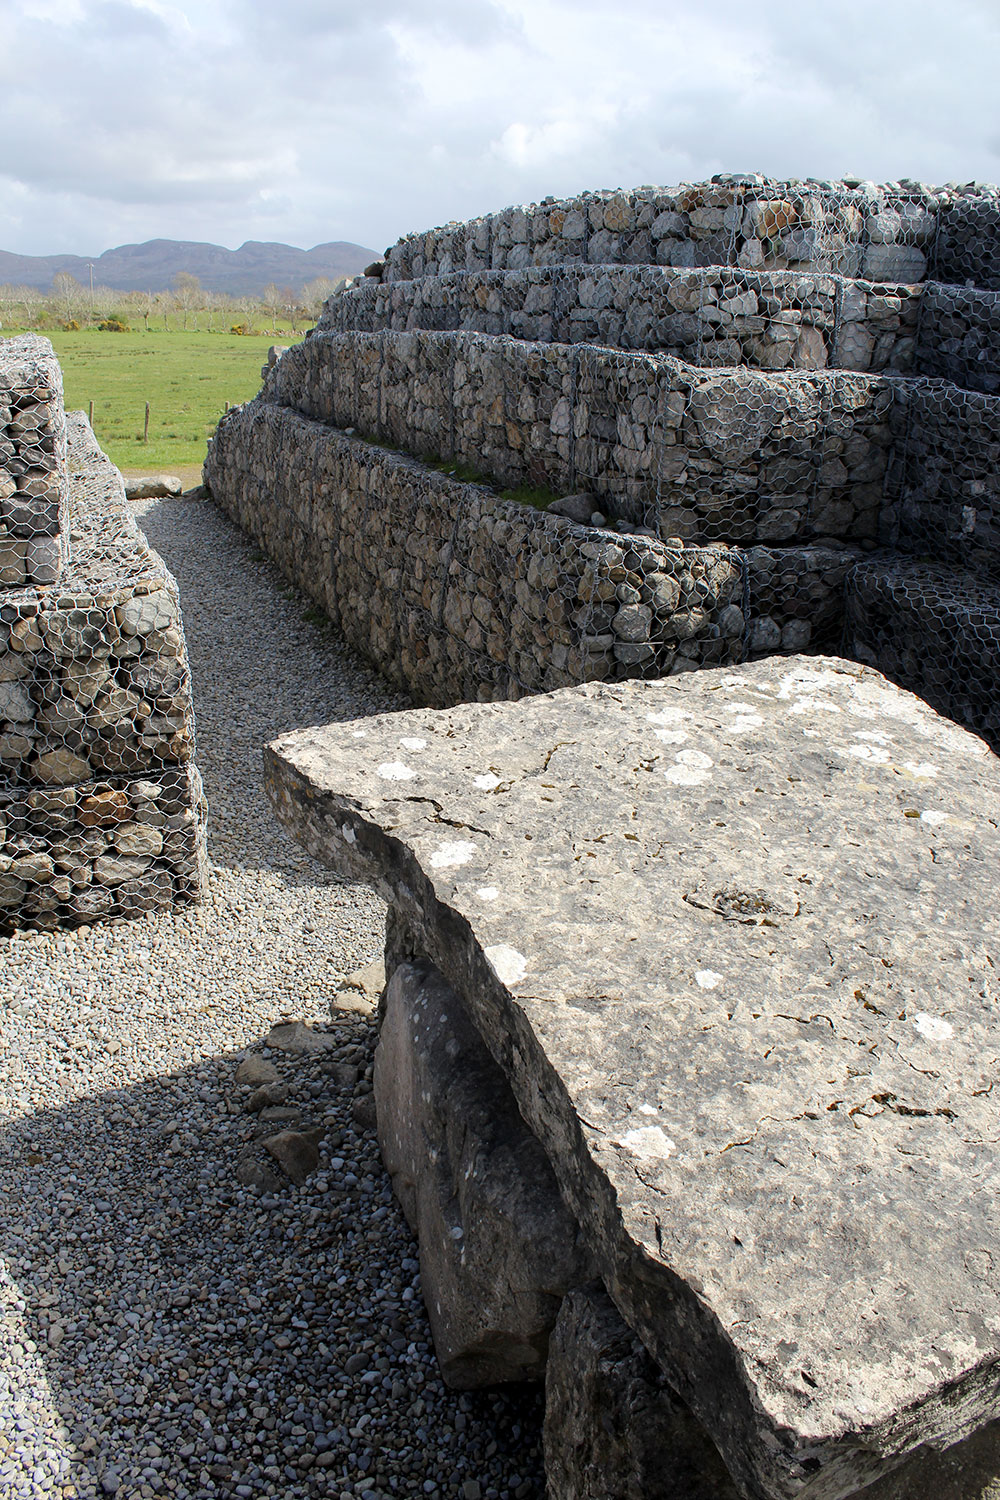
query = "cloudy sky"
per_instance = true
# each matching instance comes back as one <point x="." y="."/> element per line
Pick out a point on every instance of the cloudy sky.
<point x="314" y="120"/>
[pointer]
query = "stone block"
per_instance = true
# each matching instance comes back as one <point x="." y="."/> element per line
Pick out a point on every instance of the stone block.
<point x="498" y="1248"/>
<point x="614" y="1430"/>
<point x="819" y="1311"/>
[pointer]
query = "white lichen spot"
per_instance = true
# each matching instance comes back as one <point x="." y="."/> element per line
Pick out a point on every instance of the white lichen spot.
<point x="413" y="744"/>
<point x="668" y="716"/>
<point x="873" y="754"/>
<point x="740" y="708"/>
<point x="692" y="768"/>
<point x="394" y="770"/>
<point x="350" y="836"/>
<point x="487" y="782"/>
<point x="650" y="1141"/>
<point x="708" y="979"/>
<point x="360" y="734"/>
<point x="646" y="1109"/>
<point x="449" y="856"/>
<point x="933" y="1027"/>
<point x="743" y="722"/>
<point x="877" y="736"/>
<point x="671" y="736"/>
<point x="922" y="770"/>
<point x="813" y="705"/>
<point x="507" y="964"/>
<point x="685" y="776"/>
<point x="933" y="817"/>
<point x="487" y="893"/>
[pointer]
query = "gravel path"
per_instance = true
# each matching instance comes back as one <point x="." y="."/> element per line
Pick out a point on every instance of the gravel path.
<point x="165" y="1331"/>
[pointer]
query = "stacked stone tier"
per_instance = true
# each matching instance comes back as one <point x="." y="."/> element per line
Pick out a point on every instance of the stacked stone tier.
<point x="34" y="505"/>
<point x="101" y="809"/>
<point x="884" y="232"/>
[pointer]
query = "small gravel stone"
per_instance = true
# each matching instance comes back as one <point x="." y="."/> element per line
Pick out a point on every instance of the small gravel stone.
<point x="208" y="1308"/>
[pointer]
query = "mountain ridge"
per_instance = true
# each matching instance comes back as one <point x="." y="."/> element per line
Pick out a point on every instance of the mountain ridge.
<point x="152" y="265"/>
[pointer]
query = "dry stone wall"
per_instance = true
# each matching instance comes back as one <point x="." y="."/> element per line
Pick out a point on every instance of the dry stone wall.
<point x="858" y="229"/>
<point x="454" y="592"/>
<point x="714" y="316"/>
<point x="731" y="455"/>
<point x="34" y="521"/>
<point x="101" y="809"/>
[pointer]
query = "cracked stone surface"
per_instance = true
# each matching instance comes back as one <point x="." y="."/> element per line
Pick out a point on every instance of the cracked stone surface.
<point x="732" y="937"/>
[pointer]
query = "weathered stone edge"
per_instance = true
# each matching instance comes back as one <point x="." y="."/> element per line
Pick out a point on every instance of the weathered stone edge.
<point x="767" y="1463"/>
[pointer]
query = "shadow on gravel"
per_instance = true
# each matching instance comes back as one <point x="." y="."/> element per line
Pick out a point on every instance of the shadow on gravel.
<point x="196" y="1337"/>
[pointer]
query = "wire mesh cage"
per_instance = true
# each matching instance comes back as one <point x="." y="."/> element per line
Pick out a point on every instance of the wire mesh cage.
<point x="755" y="380"/>
<point x="101" y="809"/>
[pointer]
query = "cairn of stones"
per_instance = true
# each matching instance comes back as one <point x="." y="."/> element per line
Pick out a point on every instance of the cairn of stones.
<point x="753" y="417"/>
<point x="101" y="808"/>
<point x="689" y="1025"/>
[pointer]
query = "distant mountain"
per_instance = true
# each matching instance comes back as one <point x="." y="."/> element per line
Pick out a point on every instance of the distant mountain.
<point x="152" y="267"/>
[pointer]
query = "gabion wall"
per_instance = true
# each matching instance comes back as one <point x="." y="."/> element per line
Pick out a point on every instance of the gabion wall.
<point x="715" y="316"/>
<point x="889" y="232"/>
<point x="101" y="809"/>
<point x="737" y="456"/>
<point x="943" y="490"/>
<point x="967" y="241"/>
<point x="959" y="336"/>
<point x="34" y="529"/>
<point x="817" y="420"/>
<point x="454" y="593"/>
<point x="935" y="629"/>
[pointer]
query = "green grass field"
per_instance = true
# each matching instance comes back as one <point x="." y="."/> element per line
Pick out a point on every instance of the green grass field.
<point x="187" y="378"/>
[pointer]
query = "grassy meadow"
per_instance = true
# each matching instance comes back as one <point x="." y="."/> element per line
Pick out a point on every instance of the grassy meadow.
<point x="187" y="377"/>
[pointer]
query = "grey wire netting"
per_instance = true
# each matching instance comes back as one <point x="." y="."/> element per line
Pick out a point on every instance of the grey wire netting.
<point x="34" y="521"/>
<point x="747" y="368"/>
<point x="934" y="629"/>
<point x="884" y="232"/>
<point x="713" y="316"/>
<point x="101" y="812"/>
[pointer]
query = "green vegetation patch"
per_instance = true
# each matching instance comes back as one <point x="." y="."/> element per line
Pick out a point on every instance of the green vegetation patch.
<point x="186" y="377"/>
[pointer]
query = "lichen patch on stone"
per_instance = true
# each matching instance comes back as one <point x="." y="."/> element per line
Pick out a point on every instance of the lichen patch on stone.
<point x="449" y="856"/>
<point x="508" y="965"/>
<point x="395" y="770"/>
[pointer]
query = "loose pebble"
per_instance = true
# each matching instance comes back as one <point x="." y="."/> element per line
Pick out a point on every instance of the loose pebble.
<point x="177" y="1318"/>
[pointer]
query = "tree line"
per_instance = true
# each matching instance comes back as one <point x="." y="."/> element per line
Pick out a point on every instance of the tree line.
<point x="70" y="303"/>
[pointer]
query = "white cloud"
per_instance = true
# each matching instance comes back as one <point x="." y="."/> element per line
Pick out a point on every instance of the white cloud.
<point x="322" y="119"/>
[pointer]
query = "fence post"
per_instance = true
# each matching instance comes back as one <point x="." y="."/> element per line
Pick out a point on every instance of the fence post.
<point x="145" y="425"/>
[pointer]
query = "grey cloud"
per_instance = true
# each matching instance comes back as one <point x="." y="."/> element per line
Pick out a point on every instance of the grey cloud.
<point x="321" y="119"/>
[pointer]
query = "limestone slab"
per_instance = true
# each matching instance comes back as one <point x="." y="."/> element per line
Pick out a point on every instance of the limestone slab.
<point x="733" y="939"/>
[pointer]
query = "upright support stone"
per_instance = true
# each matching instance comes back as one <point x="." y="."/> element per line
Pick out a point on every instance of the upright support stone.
<point x="498" y="1247"/>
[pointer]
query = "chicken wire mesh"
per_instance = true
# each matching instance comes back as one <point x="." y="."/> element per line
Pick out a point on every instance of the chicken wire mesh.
<point x="101" y="812"/>
<point x="789" y="464"/>
<point x="785" y="432"/>
<point x="712" y="316"/>
<point x="936" y="630"/>
<point x="34" y="521"/>
<point x="885" y="232"/>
